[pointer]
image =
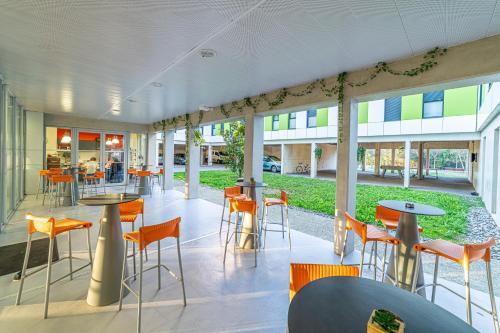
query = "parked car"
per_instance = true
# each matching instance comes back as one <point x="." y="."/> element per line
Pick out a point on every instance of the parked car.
<point x="271" y="163"/>
<point x="179" y="159"/>
<point x="218" y="157"/>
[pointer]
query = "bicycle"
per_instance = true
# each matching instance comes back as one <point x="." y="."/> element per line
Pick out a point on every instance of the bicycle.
<point x="303" y="168"/>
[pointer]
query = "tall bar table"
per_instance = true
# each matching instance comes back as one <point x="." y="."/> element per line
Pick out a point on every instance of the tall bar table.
<point x="407" y="232"/>
<point x="249" y="224"/>
<point x="105" y="282"/>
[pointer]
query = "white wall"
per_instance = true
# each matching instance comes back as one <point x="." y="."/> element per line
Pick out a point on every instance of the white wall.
<point x="34" y="150"/>
<point x="328" y="159"/>
<point x="295" y="154"/>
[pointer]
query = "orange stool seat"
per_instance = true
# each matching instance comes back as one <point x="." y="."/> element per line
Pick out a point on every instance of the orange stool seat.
<point x="233" y="192"/>
<point x="282" y="202"/>
<point x="389" y="218"/>
<point x="273" y="201"/>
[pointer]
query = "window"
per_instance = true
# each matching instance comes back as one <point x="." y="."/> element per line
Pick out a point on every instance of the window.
<point x="433" y="104"/>
<point x="292" y="120"/>
<point x="276" y="122"/>
<point x="221" y="129"/>
<point x="311" y="118"/>
<point x="213" y="129"/>
<point x="392" y="109"/>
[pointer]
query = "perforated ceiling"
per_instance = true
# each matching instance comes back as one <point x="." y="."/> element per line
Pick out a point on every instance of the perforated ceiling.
<point x="89" y="57"/>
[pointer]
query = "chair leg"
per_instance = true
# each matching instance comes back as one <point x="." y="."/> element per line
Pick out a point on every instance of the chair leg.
<point x="492" y="297"/>
<point x="255" y="235"/>
<point x="362" y="259"/>
<point x="23" y="272"/>
<point x="125" y="250"/>
<point x="180" y="268"/>
<point x="375" y="262"/>
<point x="266" y="217"/>
<point x="396" y="264"/>
<point x="139" y="294"/>
<point x="159" y="267"/>
<point x="416" y="268"/>
<point x="282" y="222"/>
<point x="222" y="217"/>
<point x="343" y="249"/>
<point x="89" y="247"/>
<point x="133" y="253"/>
<point x="47" y="282"/>
<point x="434" y="280"/>
<point x="288" y="227"/>
<point x="467" y="294"/>
<point x="145" y="249"/>
<point x="227" y="237"/>
<point x="70" y="256"/>
<point x="384" y="262"/>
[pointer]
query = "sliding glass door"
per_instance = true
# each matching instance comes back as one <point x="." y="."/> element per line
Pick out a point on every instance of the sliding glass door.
<point x="114" y="158"/>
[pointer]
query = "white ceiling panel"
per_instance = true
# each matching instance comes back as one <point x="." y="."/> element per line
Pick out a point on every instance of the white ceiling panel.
<point x="89" y="57"/>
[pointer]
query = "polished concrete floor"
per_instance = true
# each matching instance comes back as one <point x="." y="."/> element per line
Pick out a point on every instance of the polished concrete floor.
<point x="234" y="298"/>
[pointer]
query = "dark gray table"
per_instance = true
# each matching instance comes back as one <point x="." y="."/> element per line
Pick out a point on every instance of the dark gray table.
<point x="344" y="304"/>
<point x="106" y="277"/>
<point x="407" y="232"/>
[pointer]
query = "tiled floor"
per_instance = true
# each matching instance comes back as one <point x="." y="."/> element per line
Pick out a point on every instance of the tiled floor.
<point x="238" y="297"/>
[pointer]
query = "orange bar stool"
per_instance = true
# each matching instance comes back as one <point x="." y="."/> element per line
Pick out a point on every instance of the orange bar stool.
<point x="42" y="182"/>
<point x="283" y="203"/>
<point x="159" y="178"/>
<point x="94" y="181"/>
<point x="230" y="193"/>
<point x="463" y="255"/>
<point x="244" y="206"/>
<point x="131" y="173"/>
<point x="59" y="183"/>
<point x="302" y="274"/>
<point x="370" y="233"/>
<point x="389" y="218"/>
<point x="129" y="212"/>
<point x="143" y="237"/>
<point x="50" y="186"/>
<point x="147" y="181"/>
<point x="52" y="227"/>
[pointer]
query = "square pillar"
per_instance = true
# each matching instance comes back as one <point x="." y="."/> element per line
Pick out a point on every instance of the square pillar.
<point x="209" y="155"/>
<point x="376" y="168"/>
<point x="347" y="145"/>
<point x="283" y="158"/>
<point x="427" y="161"/>
<point x="192" y="184"/>
<point x="151" y="157"/>
<point x="393" y="158"/>
<point x="168" y="159"/>
<point x="406" y="182"/>
<point x="314" y="161"/>
<point x="420" y="166"/>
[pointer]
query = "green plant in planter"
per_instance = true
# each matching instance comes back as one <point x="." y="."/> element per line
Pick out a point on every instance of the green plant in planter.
<point x="386" y="320"/>
<point x="318" y="152"/>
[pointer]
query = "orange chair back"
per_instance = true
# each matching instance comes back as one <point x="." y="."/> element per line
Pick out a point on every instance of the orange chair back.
<point x="44" y="225"/>
<point x="473" y="252"/>
<point x="99" y="174"/>
<point x="44" y="173"/>
<point x="131" y="171"/>
<point x="231" y="191"/>
<point x="302" y="274"/>
<point x="242" y="206"/>
<point x="152" y="233"/>
<point x="55" y="172"/>
<point x="132" y="207"/>
<point x="357" y="226"/>
<point x="146" y="173"/>
<point x="384" y="214"/>
<point x="161" y="171"/>
<point x="284" y="197"/>
<point x="62" y="178"/>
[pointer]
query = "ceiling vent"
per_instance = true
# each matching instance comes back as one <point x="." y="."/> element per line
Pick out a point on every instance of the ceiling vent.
<point x="207" y="53"/>
<point x="156" y="84"/>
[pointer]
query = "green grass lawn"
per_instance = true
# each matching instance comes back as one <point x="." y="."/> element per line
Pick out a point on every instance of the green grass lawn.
<point x="319" y="196"/>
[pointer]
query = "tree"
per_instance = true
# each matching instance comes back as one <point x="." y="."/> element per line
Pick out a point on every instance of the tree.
<point x="234" y="137"/>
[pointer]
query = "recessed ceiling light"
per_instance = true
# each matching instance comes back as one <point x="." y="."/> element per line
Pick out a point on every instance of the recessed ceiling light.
<point x="156" y="84"/>
<point x="131" y="100"/>
<point x="115" y="111"/>
<point x="207" y="53"/>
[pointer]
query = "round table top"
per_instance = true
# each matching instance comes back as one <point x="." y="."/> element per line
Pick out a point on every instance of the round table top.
<point x="418" y="209"/>
<point x="248" y="184"/>
<point x="109" y="199"/>
<point x="344" y="305"/>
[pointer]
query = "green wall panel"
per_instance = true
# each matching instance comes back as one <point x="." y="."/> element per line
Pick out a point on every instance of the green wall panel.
<point x="460" y="101"/>
<point x="411" y="107"/>
<point x="363" y="113"/>
<point x="322" y="117"/>
<point x="284" y="121"/>
<point x="217" y="129"/>
<point x="268" y="123"/>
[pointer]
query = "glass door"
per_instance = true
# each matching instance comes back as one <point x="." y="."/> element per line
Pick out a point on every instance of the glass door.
<point x="114" y="163"/>
<point x="89" y="151"/>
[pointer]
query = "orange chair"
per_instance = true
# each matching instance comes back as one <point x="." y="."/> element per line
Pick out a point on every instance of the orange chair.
<point x="42" y="182"/>
<point x="131" y="173"/>
<point x="147" y="181"/>
<point x="237" y="205"/>
<point x="389" y="218"/>
<point x="370" y="233"/>
<point x="129" y="212"/>
<point x="302" y="274"/>
<point x="463" y="255"/>
<point x="143" y="237"/>
<point x="57" y="186"/>
<point x="229" y="193"/>
<point x="159" y="178"/>
<point x="52" y="227"/>
<point x="97" y="178"/>
<point x="50" y="188"/>
<point x="282" y="202"/>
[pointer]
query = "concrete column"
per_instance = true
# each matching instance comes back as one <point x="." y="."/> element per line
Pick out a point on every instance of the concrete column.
<point x="406" y="182"/>
<point x="283" y="158"/>
<point x="151" y="158"/>
<point x="376" y="167"/>
<point x="314" y="161"/>
<point x="420" y="166"/>
<point x="346" y="172"/>
<point x="470" y="167"/>
<point x="168" y="160"/>
<point x="209" y="155"/>
<point x="192" y="184"/>
<point x="427" y="161"/>
<point x="393" y="158"/>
